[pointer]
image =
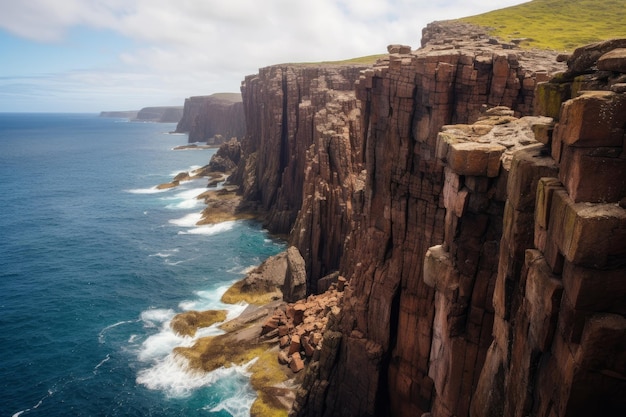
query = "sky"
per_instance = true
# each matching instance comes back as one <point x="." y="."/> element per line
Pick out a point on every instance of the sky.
<point x="94" y="55"/>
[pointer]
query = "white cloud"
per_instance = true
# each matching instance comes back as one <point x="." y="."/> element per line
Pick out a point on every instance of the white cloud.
<point x="201" y="46"/>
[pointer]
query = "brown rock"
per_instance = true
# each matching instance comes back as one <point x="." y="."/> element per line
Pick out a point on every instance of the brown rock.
<point x="283" y="359"/>
<point x="284" y="341"/>
<point x="294" y="287"/>
<point x="298" y="313"/>
<point x="614" y="60"/>
<point x="208" y="117"/>
<point x="585" y="57"/>
<point x="296" y="364"/>
<point x="295" y="345"/>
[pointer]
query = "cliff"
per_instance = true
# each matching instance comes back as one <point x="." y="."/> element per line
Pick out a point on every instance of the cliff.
<point x="303" y="133"/>
<point x="484" y="248"/>
<point x="166" y="114"/>
<point x="120" y="114"/>
<point x="213" y="119"/>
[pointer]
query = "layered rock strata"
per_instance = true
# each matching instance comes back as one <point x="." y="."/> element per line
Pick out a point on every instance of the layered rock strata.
<point x="302" y="155"/>
<point x="479" y="159"/>
<point x="560" y="294"/>
<point x="384" y="359"/>
<point x="213" y="119"/>
<point x="467" y="295"/>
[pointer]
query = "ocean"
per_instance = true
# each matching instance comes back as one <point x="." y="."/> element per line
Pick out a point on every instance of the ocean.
<point x="94" y="262"/>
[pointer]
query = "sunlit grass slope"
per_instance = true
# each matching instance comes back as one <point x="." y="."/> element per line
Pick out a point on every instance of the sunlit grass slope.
<point x="561" y="25"/>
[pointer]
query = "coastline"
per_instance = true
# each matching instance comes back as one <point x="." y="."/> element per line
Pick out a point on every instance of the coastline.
<point x="242" y="343"/>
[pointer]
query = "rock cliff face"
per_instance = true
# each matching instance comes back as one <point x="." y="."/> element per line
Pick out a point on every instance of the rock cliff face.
<point x="213" y="119"/>
<point x="166" y="114"/>
<point x="303" y="155"/>
<point x="485" y="262"/>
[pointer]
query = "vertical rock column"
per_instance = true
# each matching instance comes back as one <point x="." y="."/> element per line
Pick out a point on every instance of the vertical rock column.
<point x="383" y="359"/>
<point x="463" y="269"/>
<point x="560" y="297"/>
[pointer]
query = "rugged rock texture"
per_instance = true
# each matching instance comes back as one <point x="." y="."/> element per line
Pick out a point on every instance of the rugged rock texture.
<point x="388" y="314"/>
<point x="226" y="158"/>
<point x="213" y="119"/>
<point x="302" y="155"/>
<point x="294" y="288"/>
<point x="502" y="227"/>
<point x="560" y="295"/>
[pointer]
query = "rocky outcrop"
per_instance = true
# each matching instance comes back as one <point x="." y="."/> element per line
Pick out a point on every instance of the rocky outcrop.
<point x="294" y="287"/>
<point x="213" y="119"/>
<point x="226" y="158"/>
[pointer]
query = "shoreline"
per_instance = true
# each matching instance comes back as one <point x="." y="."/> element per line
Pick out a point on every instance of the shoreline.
<point x="242" y="343"/>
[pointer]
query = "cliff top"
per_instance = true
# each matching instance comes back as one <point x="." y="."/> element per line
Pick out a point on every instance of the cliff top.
<point x="561" y="25"/>
<point x="223" y="97"/>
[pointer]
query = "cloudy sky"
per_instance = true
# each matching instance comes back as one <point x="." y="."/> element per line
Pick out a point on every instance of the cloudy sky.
<point x="93" y="55"/>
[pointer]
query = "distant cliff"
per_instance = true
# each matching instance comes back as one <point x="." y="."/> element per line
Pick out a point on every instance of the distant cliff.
<point x="160" y="114"/>
<point x="484" y="248"/>
<point x="214" y="119"/>
<point x="164" y="114"/>
<point x="120" y="114"/>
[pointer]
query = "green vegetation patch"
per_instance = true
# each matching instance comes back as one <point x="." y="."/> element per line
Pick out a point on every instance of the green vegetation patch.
<point x="561" y="25"/>
<point x="189" y="322"/>
<point x="256" y="296"/>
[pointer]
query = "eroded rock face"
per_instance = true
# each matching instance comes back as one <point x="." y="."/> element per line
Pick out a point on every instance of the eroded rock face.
<point x="559" y="326"/>
<point x="471" y="250"/>
<point x="385" y="361"/>
<point x="213" y="119"/>
<point x="303" y="156"/>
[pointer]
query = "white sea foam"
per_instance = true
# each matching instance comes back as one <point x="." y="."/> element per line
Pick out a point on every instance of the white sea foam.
<point x="151" y="190"/>
<point x="237" y="405"/>
<point x="156" y="316"/>
<point x="188" y="220"/>
<point x="106" y="359"/>
<point x="191" y="169"/>
<point x="210" y="229"/>
<point x="185" y="199"/>
<point x="173" y="376"/>
<point x="34" y="407"/>
<point x="166" y="253"/>
<point x="190" y="193"/>
<point x="101" y="335"/>
<point x="161" y="344"/>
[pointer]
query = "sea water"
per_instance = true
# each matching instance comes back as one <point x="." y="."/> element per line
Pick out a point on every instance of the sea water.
<point x="94" y="263"/>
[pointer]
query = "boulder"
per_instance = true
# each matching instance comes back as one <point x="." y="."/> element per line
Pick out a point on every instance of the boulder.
<point x="294" y="287"/>
<point x="296" y="364"/>
<point x="614" y="60"/>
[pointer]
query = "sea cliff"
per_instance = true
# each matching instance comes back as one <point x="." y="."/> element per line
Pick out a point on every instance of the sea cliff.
<point x="213" y="119"/>
<point x="469" y="193"/>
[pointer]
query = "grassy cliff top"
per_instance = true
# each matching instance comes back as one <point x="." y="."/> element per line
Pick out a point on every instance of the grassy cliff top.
<point x="562" y="25"/>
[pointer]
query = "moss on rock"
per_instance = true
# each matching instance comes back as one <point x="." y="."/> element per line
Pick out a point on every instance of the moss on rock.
<point x="188" y="323"/>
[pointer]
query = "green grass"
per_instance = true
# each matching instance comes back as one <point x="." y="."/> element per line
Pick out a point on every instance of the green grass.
<point x="561" y="25"/>
<point x="362" y="60"/>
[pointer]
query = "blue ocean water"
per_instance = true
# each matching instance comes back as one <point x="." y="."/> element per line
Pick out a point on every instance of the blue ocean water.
<point x="94" y="262"/>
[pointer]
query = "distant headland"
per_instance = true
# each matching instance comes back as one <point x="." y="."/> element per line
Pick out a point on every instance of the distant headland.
<point x="162" y="114"/>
